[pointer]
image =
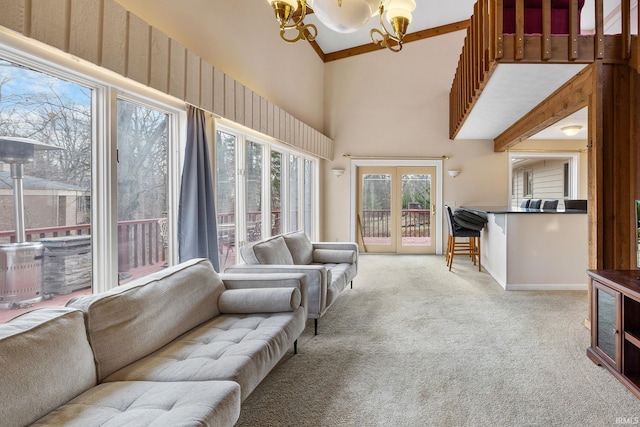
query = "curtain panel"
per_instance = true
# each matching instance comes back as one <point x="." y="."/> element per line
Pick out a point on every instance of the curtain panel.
<point x="197" y="229"/>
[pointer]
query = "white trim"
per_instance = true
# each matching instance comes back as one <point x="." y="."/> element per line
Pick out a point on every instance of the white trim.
<point x="547" y="287"/>
<point x="355" y="163"/>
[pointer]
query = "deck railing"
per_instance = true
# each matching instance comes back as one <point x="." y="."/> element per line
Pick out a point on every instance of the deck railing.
<point x="486" y="45"/>
<point x="414" y="223"/>
<point x="139" y="241"/>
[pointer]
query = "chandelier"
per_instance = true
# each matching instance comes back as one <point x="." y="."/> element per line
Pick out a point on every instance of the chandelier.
<point x="345" y="16"/>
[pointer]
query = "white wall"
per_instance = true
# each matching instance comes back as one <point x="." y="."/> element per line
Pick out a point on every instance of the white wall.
<point x="242" y="38"/>
<point x="386" y="104"/>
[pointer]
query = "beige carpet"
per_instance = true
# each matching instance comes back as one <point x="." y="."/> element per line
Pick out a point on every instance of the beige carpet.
<point x="415" y="345"/>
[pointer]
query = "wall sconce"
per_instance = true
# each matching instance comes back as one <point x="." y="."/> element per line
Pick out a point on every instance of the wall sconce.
<point x="571" y="130"/>
<point x="453" y="173"/>
<point x="337" y="172"/>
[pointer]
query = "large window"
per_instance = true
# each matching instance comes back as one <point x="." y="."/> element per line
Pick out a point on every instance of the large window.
<point x="142" y="188"/>
<point x="294" y="193"/>
<point x="225" y="182"/>
<point x="45" y="190"/>
<point x="253" y="193"/>
<point x="81" y="193"/>
<point x="276" y="191"/>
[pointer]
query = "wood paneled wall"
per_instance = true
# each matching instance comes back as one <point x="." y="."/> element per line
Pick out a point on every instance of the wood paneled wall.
<point x="104" y="33"/>
<point x="619" y="87"/>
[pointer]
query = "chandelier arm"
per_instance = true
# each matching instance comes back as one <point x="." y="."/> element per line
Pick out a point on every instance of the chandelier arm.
<point x="384" y="40"/>
<point x="385" y="35"/>
<point x="305" y="32"/>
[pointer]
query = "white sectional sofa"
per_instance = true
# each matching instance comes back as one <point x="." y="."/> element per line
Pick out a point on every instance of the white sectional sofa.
<point x="182" y="347"/>
<point x="329" y="266"/>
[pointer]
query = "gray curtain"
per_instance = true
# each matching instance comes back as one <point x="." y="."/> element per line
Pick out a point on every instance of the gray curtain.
<point x="197" y="234"/>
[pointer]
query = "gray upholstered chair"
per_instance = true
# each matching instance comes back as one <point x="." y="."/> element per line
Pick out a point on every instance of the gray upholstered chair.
<point x="550" y="205"/>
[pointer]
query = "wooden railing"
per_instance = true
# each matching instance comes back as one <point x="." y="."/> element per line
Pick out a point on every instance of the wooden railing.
<point x="139" y="241"/>
<point x="486" y="46"/>
<point x="415" y="223"/>
<point x="139" y="244"/>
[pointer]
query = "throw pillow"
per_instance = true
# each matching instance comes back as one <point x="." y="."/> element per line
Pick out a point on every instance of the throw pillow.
<point x="300" y="247"/>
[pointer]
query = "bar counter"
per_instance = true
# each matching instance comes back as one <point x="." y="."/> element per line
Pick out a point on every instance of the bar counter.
<point x="534" y="249"/>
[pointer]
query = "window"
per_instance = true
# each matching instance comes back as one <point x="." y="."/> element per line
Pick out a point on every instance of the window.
<point x="294" y="198"/>
<point x="57" y="185"/>
<point x="308" y="196"/>
<point x="225" y="183"/>
<point x="276" y="191"/>
<point x="81" y="201"/>
<point x="527" y="183"/>
<point x="253" y="194"/>
<point x="142" y="188"/>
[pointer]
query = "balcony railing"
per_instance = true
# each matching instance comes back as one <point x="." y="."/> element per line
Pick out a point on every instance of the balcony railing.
<point x="140" y="242"/>
<point x="487" y="44"/>
<point x="414" y="222"/>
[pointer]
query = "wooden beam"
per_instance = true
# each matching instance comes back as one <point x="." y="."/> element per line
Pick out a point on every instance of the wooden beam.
<point x="569" y="98"/>
<point x="418" y="35"/>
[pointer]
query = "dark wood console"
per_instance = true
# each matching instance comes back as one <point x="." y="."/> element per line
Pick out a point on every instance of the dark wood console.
<point x="615" y="324"/>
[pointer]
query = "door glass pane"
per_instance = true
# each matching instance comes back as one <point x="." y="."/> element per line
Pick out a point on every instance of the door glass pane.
<point x="45" y="191"/>
<point x="376" y="209"/>
<point x="276" y="192"/>
<point x="142" y="190"/>
<point x="416" y="213"/>
<point x="294" y="206"/>
<point x="308" y="195"/>
<point x="606" y="323"/>
<point x="253" y="183"/>
<point x="226" y="197"/>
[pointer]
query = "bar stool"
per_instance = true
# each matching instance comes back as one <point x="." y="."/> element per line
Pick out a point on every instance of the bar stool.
<point x="469" y="247"/>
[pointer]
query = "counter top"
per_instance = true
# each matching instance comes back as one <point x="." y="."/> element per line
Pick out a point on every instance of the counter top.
<point x="518" y="210"/>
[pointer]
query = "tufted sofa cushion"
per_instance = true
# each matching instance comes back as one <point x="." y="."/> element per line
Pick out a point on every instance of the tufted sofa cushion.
<point x="136" y="403"/>
<point x="239" y="348"/>
<point x="46" y="359"/>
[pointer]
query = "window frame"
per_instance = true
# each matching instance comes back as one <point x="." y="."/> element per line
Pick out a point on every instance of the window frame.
<point x="106" y="87"/>
<point x="269" y="145"/>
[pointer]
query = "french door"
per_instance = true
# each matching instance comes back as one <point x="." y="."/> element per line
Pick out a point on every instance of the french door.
<point x="396" y="209"/>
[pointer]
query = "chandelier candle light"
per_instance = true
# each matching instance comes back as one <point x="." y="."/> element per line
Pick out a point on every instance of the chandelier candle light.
<point x="345" y="16"/>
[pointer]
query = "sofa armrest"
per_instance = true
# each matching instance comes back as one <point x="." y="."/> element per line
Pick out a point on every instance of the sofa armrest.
<point x="275" y="280"/>
<point x="316" y="281"/>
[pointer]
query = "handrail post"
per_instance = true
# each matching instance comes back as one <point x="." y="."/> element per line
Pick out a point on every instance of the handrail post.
<point x="546" y="30"/>
<point x="625" y="16"/>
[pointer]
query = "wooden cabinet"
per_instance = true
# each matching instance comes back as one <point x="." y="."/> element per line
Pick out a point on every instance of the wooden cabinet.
<point x="615" y="324"/>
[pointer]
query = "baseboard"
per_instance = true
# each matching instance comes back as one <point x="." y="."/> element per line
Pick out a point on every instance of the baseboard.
<point x="548" y="287"/>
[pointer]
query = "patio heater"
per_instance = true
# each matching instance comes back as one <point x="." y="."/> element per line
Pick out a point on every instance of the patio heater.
<point x="21" y="263"/>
